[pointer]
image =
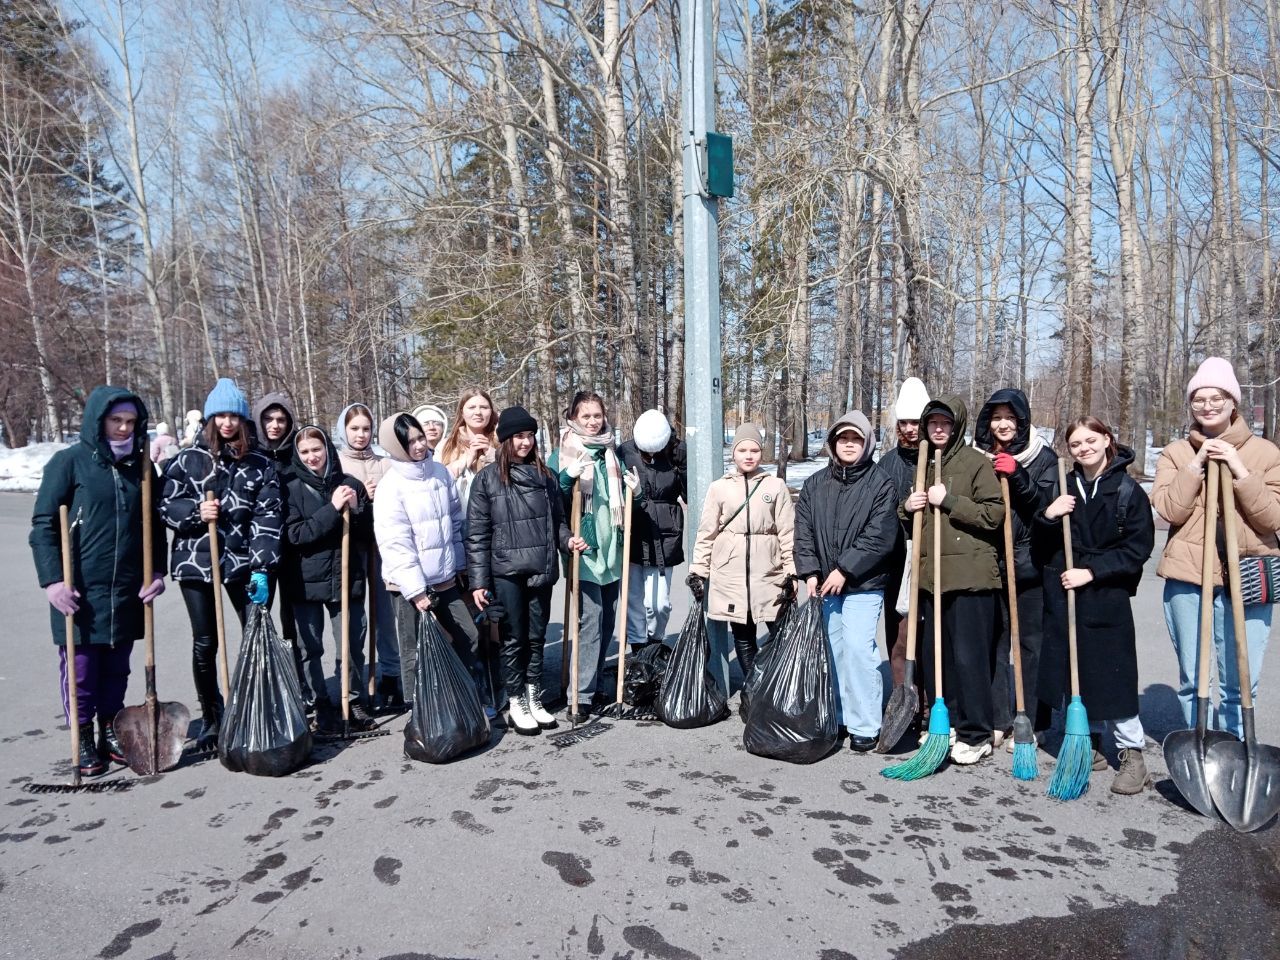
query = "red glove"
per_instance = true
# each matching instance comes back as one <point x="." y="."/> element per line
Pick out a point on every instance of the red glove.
<point x="1005" y="464"/>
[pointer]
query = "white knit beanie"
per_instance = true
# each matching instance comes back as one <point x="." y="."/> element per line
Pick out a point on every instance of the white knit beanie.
<point x="652" y="432"/>
<point x="911" y="400"/>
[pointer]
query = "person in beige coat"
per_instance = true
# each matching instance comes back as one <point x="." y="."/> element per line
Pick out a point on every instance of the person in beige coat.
<point x="1218" y="434"/>
<point x="743" y="562"/>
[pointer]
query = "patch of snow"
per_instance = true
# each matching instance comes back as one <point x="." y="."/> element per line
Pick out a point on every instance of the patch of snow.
<point x="23" y="468"/>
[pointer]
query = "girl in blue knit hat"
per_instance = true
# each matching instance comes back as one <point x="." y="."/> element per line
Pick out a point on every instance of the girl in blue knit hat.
<point x="246" y="507"/>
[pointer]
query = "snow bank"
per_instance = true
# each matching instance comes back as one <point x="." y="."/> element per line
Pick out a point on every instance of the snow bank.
<point x="22" y="469"/>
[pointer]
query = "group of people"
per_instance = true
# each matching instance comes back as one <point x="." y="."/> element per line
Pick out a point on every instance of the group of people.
<point x="472" y="523"/>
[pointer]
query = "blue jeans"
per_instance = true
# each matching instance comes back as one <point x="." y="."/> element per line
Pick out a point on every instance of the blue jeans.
<point x="852" y="620"/>
<point x="1182" y="614"/>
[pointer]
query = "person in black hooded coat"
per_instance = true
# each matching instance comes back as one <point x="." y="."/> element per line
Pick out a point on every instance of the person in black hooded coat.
<point x="317" y="494"/>
<point x="1004" y="432"/>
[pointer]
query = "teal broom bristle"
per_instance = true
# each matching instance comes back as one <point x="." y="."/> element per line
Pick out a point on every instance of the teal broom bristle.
<point x="931" y="753"/>
<point x="1075" y="760"/>
<point x="1024" y="761"/>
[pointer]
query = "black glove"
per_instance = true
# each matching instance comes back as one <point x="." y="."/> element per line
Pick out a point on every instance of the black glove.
<point x="697" y="586"/>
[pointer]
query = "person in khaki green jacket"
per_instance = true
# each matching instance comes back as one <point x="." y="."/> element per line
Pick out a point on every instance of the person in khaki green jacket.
<point x="1218" y="434"/>
<point x="743" y="561"/>
<point x="972" y="512"/>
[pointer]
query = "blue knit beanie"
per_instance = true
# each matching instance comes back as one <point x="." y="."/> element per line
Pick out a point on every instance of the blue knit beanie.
<point x="225" y="397"/>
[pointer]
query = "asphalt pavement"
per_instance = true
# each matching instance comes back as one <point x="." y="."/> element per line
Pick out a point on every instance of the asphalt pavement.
<point x="641" y="841"/>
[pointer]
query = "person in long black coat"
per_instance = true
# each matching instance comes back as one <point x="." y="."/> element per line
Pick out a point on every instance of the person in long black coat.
<point x="317" y="492"/>
<point x="657" y="524"/>
<point x="99" y="479"/>
<point x="515" y="532"/>
<point x="1112" y="535"/>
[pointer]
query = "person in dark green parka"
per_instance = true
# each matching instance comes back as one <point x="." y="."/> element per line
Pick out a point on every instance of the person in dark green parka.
<point x="99" y="479"/>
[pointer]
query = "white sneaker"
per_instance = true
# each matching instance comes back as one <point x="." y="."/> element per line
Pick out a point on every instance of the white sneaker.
<point x="967" y="754"/>
<point x="924" y="735"/>
<point x="521" y="718"/>
<point x="533" y="696"/>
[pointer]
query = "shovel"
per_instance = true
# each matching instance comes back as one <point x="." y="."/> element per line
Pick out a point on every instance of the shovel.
<point x="904" y="702"/>
<point x="574" y="604"/>
<point x="1185" y="750"/>
<point x="215" y="563"/>
<point x="616" y="709"/>
<point x="151" y="735"/>
<point x="1244" y="778"/>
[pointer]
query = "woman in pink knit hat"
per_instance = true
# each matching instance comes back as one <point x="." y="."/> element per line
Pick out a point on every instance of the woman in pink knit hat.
<point x="1218" y="434"/>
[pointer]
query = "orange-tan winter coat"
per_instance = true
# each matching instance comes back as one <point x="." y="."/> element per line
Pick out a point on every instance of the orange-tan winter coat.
<point x="1178" y="496"/>
<point x="750" y="561"/>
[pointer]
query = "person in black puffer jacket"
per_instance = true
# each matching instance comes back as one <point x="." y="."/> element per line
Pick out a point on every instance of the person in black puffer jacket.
<point x="1004" y="432"/>
<point x="318" y="492"/>
<point x="657" y="524"/>
<point x="846" y="529"/>
<point x="247" y="510"/>
<point x="515" y="530"/>
<point x="274" y="427"/>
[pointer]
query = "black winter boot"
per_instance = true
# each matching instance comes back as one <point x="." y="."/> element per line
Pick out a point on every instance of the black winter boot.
<point x="746" y="650"/>
<point x="359" y="718"/>
<point x="109" y="743"/>
<point x="91" y="762"/>
<point x="211" y="721"/>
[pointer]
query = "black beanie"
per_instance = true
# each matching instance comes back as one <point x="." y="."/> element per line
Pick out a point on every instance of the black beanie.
<point x="515" y="420"/>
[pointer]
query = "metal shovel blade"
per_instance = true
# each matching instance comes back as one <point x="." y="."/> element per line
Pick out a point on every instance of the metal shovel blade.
<point x="152" y="743"/>
<point x="1184" y="755"/>
<point x="903" y="707"/>
<point x="1244" y="779"/>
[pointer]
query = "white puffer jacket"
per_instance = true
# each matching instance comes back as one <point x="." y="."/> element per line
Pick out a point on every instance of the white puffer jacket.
<point x="417" y="520"/>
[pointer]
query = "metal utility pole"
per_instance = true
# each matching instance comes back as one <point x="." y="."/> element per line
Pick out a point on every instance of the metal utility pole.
<point x="704" y="180"/>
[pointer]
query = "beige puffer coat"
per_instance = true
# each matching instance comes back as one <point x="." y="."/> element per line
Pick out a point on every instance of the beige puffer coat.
<point x="1178" y="496"/>
<point x="750" y="560"/>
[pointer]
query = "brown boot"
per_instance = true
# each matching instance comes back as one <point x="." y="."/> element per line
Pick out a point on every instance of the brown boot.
<point x="1133" y="777"/>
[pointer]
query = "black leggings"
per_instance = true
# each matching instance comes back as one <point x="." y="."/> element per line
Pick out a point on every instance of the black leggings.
<point x="526" y="610"/>
<point x="744" y="642"/>
<point x="198" y="596"/>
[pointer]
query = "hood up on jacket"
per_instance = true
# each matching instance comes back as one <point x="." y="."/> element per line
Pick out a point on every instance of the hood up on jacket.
<point x="93" y="422"/>
<point x="1016" y="401"/>
<point x="281" y="400"/>
<point x="954" y="408"/>
<point x="339" y="435"/>
<point x="852" y="420"/>
<point x="399" y="456"/>
<point x="332" y="474"/>
<point x="1120" y="463"/>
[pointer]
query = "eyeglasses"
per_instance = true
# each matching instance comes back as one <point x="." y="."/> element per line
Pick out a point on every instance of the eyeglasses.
<point x="1208" y="403"/>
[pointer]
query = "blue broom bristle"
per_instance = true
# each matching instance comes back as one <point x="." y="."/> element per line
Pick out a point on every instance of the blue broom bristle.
<point x="931" y="753"/>
<point x="1024" y="761"/>
<point x="1075" y="762"/>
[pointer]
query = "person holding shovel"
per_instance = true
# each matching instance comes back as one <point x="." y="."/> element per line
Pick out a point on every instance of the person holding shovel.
<point x="515" y="532"/>
<point x="972" y="510"/>
<point x="1112" y="535"/>
<point x="1218" y="434"/>
<point x="100" y="480"/>
<point x="318" y="491"/>
<point x="1004" y="432"/>
<point x="744" y="555"/>
<point x="846" y="530"/>
<point x="247" y="512"/>
<point x="586" y="457"/>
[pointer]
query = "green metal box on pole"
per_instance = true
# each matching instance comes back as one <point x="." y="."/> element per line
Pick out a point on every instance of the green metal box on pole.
<point x="719" y="165"/>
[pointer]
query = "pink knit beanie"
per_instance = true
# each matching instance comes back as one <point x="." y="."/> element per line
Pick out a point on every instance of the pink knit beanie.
<point x="1215" y="372"/>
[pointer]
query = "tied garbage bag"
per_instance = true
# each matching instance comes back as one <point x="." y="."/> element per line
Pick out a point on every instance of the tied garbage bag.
<point x="690" y="696"/>
<point x="447" y="718"/>
<point x="264" y="730"/>
<point x="643" y="679"/>
<point x="761" y="664"/>
<point x="793" y="700"/>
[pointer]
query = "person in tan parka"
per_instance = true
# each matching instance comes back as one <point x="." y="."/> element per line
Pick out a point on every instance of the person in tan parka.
<point x="743" y="560"/>
<point x="1218" y="434"/>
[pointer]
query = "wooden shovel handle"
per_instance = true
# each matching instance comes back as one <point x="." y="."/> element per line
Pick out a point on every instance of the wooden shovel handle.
<point x="574" y="600"/>
<point x="346" y="615"/>
<point x="1233" y="579"/>
<point x="917" y="538"/>
<point x="73" y="704"/>
<point x="1071" y="594"/>
<point x="148" y="573"/>
<point x="1208" y="558"/>
<point x="215" y="563"/>
<point x="937" y="581"/>
<point x="1011" y="580"/>
<point x="625" y="588"/>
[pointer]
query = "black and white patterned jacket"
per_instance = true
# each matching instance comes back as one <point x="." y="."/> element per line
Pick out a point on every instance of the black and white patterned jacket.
<point x="249" y="519"/>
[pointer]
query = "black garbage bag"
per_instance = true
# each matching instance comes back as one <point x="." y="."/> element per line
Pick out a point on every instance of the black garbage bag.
<point x="793" y="701"/>
<point x="646" y="664"/>
<point x="763" y="657"/>
<point x="264" y="729"/>
<point x="447" y="719"/>
<point x="689" y="696"/>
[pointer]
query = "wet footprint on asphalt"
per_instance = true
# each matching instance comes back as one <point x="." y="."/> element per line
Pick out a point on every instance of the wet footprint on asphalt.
<point x="272" y="861"/>
<point x="845" y="871"/>
<point x="467" y="821"/>
<point x="387" y="869"/>
<point x="573" y="869"/>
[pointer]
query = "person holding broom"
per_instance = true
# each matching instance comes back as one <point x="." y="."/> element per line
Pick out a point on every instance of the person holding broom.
<point x="972" y="511"/>
<point x="247" y="513"/>
<point x="318" y="491"/>
<point x="1112" y="535"/>
<point x="1218" y="434"/>
<point x="100" y="480"/>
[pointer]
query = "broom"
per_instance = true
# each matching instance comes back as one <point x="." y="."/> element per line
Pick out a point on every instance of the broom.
<point x="1075" y="760"/>
<point x="934" y="749"/>
<point x="1024" y="737"/>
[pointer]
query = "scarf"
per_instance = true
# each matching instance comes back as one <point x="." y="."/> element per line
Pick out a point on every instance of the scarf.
<point x="1027" y="453"/>
<point x="573" y="443"/>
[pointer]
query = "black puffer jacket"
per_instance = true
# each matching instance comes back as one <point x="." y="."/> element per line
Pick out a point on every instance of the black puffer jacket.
<point x="249" y="520"/>
<point x="280" y="451"/>
<point x="1032" y="486"/>
<point x="900" y="463"/>
<point x="657" y="518"/>
<point x="313" y="570"/>
<point x="104" y="500"/>
<point x="515" y="529"/>
<point x="847" y="518"/>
